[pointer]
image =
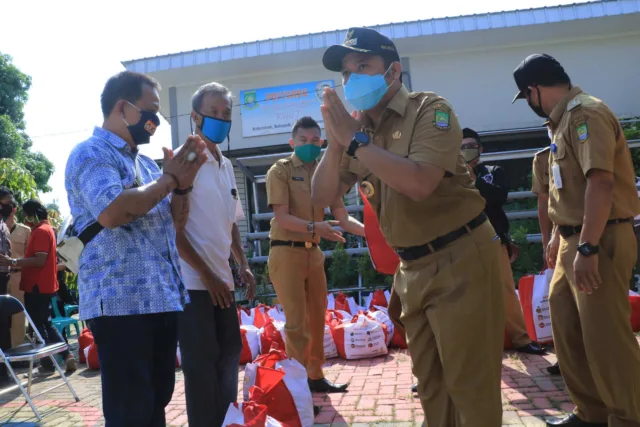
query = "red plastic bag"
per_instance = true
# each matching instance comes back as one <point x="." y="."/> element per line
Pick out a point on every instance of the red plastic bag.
<point x="378" y="299"/>
<point x="534" y="299"/>
<point x="361" y="338"/>
<point x="249" y="414"/>
<point x="93" y="360"/>
<point x="271" y="334"/>
<point x="384" y="259"/>
<point x="260" y="316"/>
<point x="271" y="391"/>
<point x="250" y="343"/>
<point x="84" y="340"/>
<point x="634" y="302"/>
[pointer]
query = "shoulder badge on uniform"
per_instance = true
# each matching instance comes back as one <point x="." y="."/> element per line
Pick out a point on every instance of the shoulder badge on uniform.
<point x="575" y="102"/>
<point x="367" y="189"/>
<point x="396" y="135"/>
<point x="582" y="130"/>
<point x="442" y="119"/>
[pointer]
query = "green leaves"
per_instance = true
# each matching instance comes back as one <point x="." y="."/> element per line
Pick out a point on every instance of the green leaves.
<point x="18" y="179"/>
<point x="14" y="87"/>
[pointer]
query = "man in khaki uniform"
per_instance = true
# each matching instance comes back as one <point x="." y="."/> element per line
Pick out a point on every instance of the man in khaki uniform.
<point x="592" y="200"/>
<point x="19" y="236"/>
<point x="296" y="263"/>
<point x="404" y="150"/>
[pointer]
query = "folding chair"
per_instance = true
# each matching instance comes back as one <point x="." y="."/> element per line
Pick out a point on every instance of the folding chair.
<point x="30" y="352"/>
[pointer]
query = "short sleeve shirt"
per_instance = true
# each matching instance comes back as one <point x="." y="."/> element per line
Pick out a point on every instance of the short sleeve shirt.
<point x="421" y="127"/>
<point x="587" y="135"/>
<point x="540" y="172"/>
<point x="41" y="241"/>
<point x="289" y="183"/>
<point x="214" y="206"/>
<point x="5" y="243"/>
<point x="19" y="237"/>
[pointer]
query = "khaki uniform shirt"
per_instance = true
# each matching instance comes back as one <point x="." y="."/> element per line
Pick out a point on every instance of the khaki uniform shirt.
<point x="588" y="136"/>
<point x="421" y="127"/>
<point x="540" y="172"/>
<point x="289" y="183"/>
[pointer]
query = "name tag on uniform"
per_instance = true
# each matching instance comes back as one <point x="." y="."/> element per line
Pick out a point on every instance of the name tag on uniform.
<point x="297" y="178"/>
<point x="557" y="178"/>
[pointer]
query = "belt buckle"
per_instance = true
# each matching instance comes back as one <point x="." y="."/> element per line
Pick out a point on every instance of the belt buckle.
<point x="308" y="245"/>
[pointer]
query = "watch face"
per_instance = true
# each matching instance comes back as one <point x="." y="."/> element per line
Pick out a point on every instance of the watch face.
<point x="361" y="137"/>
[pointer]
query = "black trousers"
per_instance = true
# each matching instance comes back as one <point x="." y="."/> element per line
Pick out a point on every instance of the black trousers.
<point x="138" y="367"/>
<point x="39" y="309"/>
<point x="210" y="345"/>
<point x="5" y="323"/>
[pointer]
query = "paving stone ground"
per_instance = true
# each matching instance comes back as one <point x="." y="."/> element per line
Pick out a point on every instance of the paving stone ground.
<point x="379" y="394"/>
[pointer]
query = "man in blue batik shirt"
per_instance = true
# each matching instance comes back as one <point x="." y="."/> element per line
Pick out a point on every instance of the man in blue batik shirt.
<point x="129" y="275"/>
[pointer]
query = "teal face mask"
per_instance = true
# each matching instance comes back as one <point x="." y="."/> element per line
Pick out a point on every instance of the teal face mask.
<point x="307" y="153"/>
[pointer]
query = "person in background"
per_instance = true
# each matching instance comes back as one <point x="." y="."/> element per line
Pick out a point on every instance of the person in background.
<point x="540" y="187"/>
<point x="6" y="199"/>
<point x="129" y="279"/>
<point x="592" y="203"/>
<point x="404" y="148"/>
<point x="39" y="278"/>
<point x="208" y="329"/>
<point x="491" y="182"/>
<point x="296" y="263"/>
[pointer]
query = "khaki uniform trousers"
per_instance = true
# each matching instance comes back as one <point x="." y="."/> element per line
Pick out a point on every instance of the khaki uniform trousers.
<point x="597" y="351"/>
<point x="18" y="328"/>
<point x="515" y="325"/>
<point x="301" y="285"/>
<point x="453" y="312"/>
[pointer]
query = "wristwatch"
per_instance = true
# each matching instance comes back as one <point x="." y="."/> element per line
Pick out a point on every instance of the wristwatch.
<point x="14" y="262"/>
<point x="183" y="192"/>
<point x="311" y="227"/>
<point x="587" y="249"/>
<point x="359" y="139"/>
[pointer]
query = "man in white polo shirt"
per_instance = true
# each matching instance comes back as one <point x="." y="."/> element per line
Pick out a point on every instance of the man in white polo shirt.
<point x="208" y="330"/>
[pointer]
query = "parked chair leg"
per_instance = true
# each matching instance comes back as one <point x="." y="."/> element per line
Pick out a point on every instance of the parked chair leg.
<point x="30" y="377"/>
<point x="64" y="377"/>
<point x="24" y="392"/>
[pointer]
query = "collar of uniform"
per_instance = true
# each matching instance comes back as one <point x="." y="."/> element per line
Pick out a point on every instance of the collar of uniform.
<point x="110" y="137"/>
<point x="211" y="158"/>
<point x="295" y="160"/>
<point x="399" y="101"/>
<point x="558" y="110"/>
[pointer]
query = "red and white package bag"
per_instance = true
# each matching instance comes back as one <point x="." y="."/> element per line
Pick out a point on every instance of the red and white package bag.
<point x="534" y="298"/>
<point x="276" y="313"/>
<point x="361" y="338"/>
<point x="377" y="297"/>
<point x="260" y="315"/>
<point x="91" y="355"/>
<point x="250" y="343"/>
<point x="249" y="414"/>
<point x="330" y="350"/>
<point x="380" y="315"/>
<point x="345" y="303"/>
<point x="331" y="302"/>
<point x="245" y="316"/>
<point x="634" y="303"/>
<point x="271" y="333"/>
<point x="260" y="374"/>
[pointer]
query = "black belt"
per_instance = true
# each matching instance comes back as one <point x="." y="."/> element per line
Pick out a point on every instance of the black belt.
<point x="415" y="252"/>
<point x="567" y="231"/>
<point x="289" y="243"/>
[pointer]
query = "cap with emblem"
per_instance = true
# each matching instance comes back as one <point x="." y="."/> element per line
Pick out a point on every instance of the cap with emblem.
<point x="361" y="40"/>
<point x="538" y="69"/>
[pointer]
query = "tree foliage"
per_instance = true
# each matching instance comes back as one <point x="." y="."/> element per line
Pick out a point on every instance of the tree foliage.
<point x="18" y="179"/>
<point x="14" y="142"/>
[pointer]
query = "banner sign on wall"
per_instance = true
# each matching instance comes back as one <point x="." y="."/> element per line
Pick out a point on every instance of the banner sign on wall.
<point x="274" y="110"/>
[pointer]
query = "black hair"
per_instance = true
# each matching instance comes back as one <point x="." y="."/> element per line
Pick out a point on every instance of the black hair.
<point x="125" y="85"/>
<point x="470" y="133"/>
<point x="33" y="207"/>
<point x="5" y="191"/>
<point x="305" y="122"/>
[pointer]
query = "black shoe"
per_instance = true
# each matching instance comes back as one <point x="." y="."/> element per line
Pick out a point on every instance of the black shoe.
<point x="554" y="369"/>
<point x="573" y="421"/>
<point x="532" y="348"/>
<point x="325" y="386"/>
<point x="316" y="410"/>
<point x="414" y="388"/>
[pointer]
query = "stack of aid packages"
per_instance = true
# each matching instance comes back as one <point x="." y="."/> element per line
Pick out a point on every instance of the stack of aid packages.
<point x="275" y="389"/>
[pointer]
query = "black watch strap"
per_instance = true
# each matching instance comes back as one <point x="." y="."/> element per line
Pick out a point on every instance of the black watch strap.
<point x="183" y="192"/>
<point x="351" y="151"/>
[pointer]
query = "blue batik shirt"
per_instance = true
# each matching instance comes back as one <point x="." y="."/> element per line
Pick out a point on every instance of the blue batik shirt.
<point x="133" y="268"/>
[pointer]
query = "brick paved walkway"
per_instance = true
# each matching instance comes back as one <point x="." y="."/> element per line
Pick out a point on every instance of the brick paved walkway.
<point x="379" y="395"/>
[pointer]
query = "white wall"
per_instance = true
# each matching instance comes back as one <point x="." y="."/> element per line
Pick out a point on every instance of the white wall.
<point x="480" y="84"/>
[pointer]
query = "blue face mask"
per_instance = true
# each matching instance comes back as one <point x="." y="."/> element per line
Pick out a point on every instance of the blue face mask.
<point x="364" y="91"/>
<point x="307" y="153"/>
<point x="216" y="130"/>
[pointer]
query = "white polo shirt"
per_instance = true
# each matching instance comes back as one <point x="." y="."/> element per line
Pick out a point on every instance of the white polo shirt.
<point x="214" y="206"/>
